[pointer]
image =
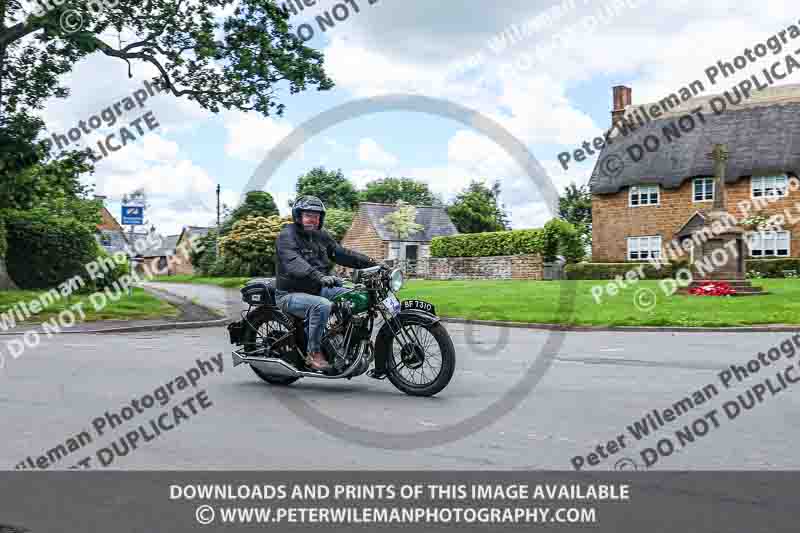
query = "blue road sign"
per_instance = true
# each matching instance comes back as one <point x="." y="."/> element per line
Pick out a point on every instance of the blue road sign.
<point x="133" y="215"/>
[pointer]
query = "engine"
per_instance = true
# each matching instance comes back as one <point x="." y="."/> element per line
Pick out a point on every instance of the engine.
<point x="334" y="342"/>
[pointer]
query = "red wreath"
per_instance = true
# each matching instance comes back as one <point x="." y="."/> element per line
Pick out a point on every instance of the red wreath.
<point x="713" y="288"/>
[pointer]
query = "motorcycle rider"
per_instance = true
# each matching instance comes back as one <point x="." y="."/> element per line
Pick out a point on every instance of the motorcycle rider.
<point x="304" y="285"/>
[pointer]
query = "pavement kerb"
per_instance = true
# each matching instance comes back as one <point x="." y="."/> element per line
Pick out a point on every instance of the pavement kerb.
<point x="630" y="329"/>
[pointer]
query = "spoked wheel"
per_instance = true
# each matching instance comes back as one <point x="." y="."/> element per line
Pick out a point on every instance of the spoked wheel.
<point x="424" y="362"/>
<point x="266" y="331"/>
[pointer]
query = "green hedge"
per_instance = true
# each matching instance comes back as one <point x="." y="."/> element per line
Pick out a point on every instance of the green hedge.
<point x="612" y="270"/>
<point x="3" y="239"/>
<point x="44" y="252"/>
<point x="772" y="268"/>
<point x="557" y="237"/>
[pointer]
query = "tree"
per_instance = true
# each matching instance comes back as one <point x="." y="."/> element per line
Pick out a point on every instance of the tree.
<point x="338" y="221"/>
<point x="402" y="221"/>
<point x="392" y="190"/>
<point x="256" y="204"/>
<point x="475" y="209"/>
<point x="575" y="206"/>
<point x="331" y="187"/>
<point x="238" y="61"/>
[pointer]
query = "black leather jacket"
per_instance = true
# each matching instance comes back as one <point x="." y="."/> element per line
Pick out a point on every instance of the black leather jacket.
<point x="304" y="257"/>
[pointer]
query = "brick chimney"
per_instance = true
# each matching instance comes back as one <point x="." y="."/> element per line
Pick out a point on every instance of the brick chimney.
<point x="622" y="98"/>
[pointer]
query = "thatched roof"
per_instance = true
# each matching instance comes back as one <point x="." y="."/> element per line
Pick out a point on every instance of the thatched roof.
<point x="762" y="134"/>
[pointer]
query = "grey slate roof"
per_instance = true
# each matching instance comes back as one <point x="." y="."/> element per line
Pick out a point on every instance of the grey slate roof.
<point x="762" y="134"/>
<point x="434" y="219"/>
<point x="166" y="248"/>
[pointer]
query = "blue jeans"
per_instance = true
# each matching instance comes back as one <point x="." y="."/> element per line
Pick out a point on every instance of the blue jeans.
<point x="315" y="310"/>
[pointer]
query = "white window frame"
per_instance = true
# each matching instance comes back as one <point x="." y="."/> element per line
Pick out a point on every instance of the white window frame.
<point x="652" y="252"/>
<point x="762" y="237"/>
<point x="648" y="192"/>
<point x="706" y="182"/>
<point x="761" y="184"/>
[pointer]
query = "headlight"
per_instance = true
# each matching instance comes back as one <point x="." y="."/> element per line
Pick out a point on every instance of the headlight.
<point x="396" y="280"/>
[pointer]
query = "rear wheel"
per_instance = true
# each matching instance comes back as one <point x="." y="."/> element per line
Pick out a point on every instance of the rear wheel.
<point x="425" y="365"/>
<point x="268" y="328"/>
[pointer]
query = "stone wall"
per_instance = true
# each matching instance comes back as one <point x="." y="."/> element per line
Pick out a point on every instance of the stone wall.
<point x="500" y="267"/>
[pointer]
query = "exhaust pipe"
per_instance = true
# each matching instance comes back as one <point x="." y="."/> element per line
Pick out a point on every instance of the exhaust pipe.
<point x="268" y="365"/>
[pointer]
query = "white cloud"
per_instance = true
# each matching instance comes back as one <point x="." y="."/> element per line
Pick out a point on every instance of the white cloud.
<point x="371" y="153"/>
<point x="251" y="136"/>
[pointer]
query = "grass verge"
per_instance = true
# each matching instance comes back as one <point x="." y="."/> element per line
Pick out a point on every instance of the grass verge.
<point x="537" y="302"/>
<point x="139" y="306"/>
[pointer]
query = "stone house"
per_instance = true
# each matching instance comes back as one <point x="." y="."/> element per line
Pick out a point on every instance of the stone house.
<point x="369" y="235"/>
<point x="655" y="184"/>
<point x="184" y="242"/>
<point x="155" y="258"/>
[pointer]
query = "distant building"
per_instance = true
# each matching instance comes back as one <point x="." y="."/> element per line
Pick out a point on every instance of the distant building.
<point x="368" y="235"/>
<point x="183" y="242"/>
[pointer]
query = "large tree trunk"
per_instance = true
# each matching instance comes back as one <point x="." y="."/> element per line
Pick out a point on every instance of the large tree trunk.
<point x="6" y="283"/>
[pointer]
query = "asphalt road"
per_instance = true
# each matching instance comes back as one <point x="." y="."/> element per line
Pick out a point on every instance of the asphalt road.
<point x="597" y="385"/>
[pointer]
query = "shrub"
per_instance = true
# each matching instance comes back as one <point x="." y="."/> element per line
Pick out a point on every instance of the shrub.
<point x="109" y="275"/>
<point x="612" y="270"/>
<point x="250" y="246"/>
<point x="771" y="268"/>
<point x="557" y="237"/>
<point x="45" y="251"/>
<point x="3" y="239"/>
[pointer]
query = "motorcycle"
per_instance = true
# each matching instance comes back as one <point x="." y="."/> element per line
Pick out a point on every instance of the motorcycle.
<point x="412" y="348"/>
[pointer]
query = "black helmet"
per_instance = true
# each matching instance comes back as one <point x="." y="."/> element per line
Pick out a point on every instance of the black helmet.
<point x="308" y="203"/>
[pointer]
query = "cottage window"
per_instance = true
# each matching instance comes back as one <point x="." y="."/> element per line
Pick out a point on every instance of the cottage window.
<point x="641" y="248"/>
<point x="766" y="186"/>
<point x="644" y="195"/>
<point x="769" y="244"/>
<point x="703" y="189"/>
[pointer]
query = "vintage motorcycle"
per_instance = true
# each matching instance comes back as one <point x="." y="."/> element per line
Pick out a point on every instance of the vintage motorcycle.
<point x="412" y="348"/>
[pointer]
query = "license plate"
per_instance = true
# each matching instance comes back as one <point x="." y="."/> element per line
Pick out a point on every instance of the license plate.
<point x="419" y="305"/>
<point x="392" y="305"/>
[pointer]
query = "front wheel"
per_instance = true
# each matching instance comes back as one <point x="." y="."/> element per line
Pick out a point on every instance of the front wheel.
<point x="423" y="363"/>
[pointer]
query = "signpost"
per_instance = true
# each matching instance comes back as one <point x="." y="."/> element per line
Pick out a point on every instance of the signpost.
<point x="132" y="215"/>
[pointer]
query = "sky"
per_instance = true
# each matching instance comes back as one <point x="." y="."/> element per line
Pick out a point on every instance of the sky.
<point x="551" y="101"/>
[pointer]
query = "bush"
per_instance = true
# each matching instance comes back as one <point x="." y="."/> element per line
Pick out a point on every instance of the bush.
<point x="3" y="239"/>
<point x="772" y="268"/>
<point x="249" y="249"/>
<point x="557" y="237"/>
<point x="612" y="270"/>
<point x="45" y="251"/>
<point x="111" y="275"/>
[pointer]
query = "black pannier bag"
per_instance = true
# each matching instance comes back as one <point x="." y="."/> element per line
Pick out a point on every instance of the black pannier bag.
<point x="259" y="291"/>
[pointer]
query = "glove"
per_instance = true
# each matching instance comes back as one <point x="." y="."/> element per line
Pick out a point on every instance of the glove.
<point x="328" y="281"/>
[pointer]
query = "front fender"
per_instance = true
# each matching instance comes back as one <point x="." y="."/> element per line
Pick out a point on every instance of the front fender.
<point x="384" y="337"/>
